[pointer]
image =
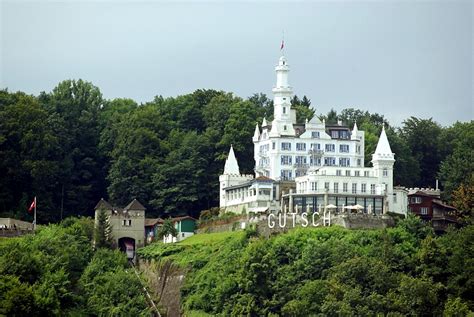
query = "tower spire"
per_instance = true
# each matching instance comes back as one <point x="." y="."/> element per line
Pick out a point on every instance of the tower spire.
<point x="383" y="150"/>
<point x="231" y="166"/>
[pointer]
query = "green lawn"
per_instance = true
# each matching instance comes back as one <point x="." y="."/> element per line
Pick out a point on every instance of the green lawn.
<point x="207" y="238"/>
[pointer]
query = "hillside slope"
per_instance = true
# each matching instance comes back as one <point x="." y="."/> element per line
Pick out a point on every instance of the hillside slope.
<point x="404" y="270"/>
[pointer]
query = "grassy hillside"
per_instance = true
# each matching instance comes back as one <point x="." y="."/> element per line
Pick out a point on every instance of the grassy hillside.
<point x="404" y="270"/>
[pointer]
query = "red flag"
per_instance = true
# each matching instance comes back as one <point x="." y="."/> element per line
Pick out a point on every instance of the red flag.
<point x="33" y="205"/>
<point x="282" y="44"/>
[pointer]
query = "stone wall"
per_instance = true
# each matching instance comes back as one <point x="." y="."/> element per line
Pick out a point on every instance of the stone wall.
<point x="362" y="221"/>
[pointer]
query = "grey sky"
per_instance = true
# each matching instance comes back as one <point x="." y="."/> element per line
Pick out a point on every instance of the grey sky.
<point x="397" y="58"/>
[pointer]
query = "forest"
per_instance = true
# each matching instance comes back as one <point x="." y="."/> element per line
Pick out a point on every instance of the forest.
<point x="70" y="147"/>
<point x="57" y="272"/>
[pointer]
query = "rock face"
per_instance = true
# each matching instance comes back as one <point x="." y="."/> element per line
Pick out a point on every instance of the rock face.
<point x="164" y="280"/>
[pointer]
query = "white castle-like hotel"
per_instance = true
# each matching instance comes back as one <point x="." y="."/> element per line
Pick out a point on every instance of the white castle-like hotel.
<point x="306" y="167"/>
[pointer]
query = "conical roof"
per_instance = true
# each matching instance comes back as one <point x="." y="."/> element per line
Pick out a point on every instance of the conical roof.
<point x="231" y="166"/>
<point x="256" y="134"/>
<point x="383" y="150"/>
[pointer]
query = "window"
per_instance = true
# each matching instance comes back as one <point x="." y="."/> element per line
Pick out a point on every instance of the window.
<point x="127" y="222"/>
<point x="314" y="161"/>
<point x="330" y="161"/>
<point x="363" y="188"/>
<point x="314" y="186"/>
<point x="338" y="172"/>
<point x="284" y="110"/>
<point x="286" y="160"/>
<point x="286" y="146"/>
<point x="334" y="134"/>
<point x="300" y="173"/>
<point x="358" y="162"/>
<point x="273" y="145"/>
<point x="264" y="149"/>
<point x="424" y="210"/>
<point x="395" y="198"/>
<point x="315" y="146"/>
<point x="284" y="127"/>
<point x="357" y="173"/>
<point x="416" y="200"/>
<point x="286" y="175"/>
<point x="385" y="172"/>
<point x="315" y="135"/>
<point x="330" y="148"/>
<point x="326" y="185"/>
<point x="372" y="189"/>
<point x="300" y="146"/>
<point x="336" y="188"/>
<point x="354" y="188"/>
<point x="344" y="148"/>
<point x="300" y="160"/>
<point x="358" y="149"/>
<point x="348" y="173"/>
<point x="344" y="187"/>
<point x="366" y="173"/>
<point x="344" y="161"/>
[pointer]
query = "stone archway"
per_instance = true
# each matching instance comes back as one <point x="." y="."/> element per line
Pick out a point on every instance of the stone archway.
<point x="127" y="245"/>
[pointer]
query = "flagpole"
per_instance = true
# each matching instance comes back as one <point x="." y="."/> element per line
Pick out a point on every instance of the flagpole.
<point x="34" y="221"/>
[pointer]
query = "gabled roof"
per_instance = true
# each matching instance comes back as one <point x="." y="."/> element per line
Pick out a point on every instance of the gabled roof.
<point x="177" y="219"/>
<point x="264" y="178"/>
<point x="134" y="205"/>
<point x="440" y="203"/>
<point x="152" y="221"/>
<point x="103" y="204"/>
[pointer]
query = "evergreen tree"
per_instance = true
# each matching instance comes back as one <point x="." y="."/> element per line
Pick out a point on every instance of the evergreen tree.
<point x="103" y="231"/>
<point x="168" y="228"/>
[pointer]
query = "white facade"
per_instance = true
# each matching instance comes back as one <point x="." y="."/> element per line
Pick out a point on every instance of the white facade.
<point x="180" y="237"/>
<point x="321" y="159"/>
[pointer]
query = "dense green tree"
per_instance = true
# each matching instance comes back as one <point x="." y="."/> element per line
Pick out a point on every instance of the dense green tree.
<point x="422" y="136"/>
<point x="174" y="189"/>
<point x="76" y="105"/>
<point x="29" y="159"/>
<point x="458" y="167"/>
<point x="303" y="109"/>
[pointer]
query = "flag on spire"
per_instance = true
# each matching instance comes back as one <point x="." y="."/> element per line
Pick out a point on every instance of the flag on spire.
<point x="282" y="44"/>
<point x="33" y="205"/>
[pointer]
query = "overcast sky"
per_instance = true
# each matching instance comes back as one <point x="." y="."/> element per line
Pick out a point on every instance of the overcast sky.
<point x="397" y="58"/>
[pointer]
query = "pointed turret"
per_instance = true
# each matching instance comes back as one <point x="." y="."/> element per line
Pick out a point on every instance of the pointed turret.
<point x="231" y="166"/>
<point x="383" y="150"/>
<point x="256" y="135"/>
<point x="264" y="123"/>
<point x="354" y="132"/>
